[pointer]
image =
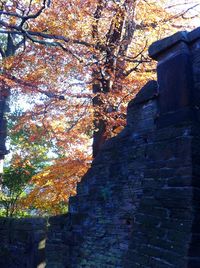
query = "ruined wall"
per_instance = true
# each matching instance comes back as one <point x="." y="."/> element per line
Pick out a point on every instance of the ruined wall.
<point x="57" y="247"/>
<point x="103" y="212"/>
<point x="139" y="204"/>
<point x="22" y="243"/>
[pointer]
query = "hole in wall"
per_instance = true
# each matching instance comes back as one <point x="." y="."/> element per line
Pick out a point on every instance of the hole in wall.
<point x="128" y="221"/>
<point x="145" y="139"/>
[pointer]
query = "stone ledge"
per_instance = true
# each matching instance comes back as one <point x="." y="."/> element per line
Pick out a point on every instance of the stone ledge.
<point x="194" y="35"/>
<point x="160" y="46"/>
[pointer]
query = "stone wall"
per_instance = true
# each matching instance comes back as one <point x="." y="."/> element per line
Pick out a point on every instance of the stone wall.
<point x="57" y="247"/>
<point x="25" y="243"/>
<point x="22" y="243"/>
<point x="139" y="204"/>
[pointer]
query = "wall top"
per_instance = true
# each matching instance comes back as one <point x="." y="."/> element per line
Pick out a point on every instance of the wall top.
<point x="161" y="46"/>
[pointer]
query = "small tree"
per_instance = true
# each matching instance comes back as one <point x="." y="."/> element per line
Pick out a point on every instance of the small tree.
<point x="16" y="182"/>
<point x="13" y="187"/>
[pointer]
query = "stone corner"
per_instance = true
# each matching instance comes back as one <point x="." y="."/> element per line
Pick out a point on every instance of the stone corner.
<point x="160" y="46"/>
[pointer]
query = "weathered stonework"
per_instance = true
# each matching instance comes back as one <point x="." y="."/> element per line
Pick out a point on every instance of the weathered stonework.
<point x="22" y="243"/>
<point x="139" y="204"/>
<point x="57" y="247"/>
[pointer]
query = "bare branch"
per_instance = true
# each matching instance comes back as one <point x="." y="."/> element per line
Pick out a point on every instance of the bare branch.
<point x="127" y="73"/>
<point x="34" y="16"/>
<point x="179" y="4"/>
<point x="49" y="94"/>
<point x="132" y="59"/>
<point x="25" y="18"/>
<point x="18" y="30"/>
<point x="54" y="44"/>
<point x="29" y="8"/>
<point x="181" y="14"/>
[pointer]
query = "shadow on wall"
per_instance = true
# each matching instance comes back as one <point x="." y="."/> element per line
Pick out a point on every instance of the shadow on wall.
<point x="22" y="242"/>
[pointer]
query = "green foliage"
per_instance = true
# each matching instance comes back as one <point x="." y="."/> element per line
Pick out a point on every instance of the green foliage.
<point x="14" y="183"/>
<point x="22" y="141"/>
<point x="30" y="157"/>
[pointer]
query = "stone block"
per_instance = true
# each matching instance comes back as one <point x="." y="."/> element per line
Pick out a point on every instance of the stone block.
<point x="167" y="43"/>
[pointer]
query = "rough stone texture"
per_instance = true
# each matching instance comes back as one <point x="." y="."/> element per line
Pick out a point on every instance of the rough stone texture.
<point x="103" y="213"/>
<point x="161" y="46"/>
<point x="22" y="243"/>
<point x="139" y="204"/>
<point x="57" y="247"/>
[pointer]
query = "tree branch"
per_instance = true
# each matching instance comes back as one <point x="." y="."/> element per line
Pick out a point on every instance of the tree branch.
<point x="181" y="14"/>
<point x="54" y="44"/>
<point x="19" y="31"/>
<point x="97" y="16"/>
<point x="37" y="14"/>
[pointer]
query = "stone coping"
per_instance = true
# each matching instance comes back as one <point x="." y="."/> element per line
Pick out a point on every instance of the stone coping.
<point x="160" y="46"/>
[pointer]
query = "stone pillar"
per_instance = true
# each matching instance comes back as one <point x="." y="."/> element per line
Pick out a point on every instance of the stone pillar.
<point x="175" y="81"/>
<point x="194" y="40"/>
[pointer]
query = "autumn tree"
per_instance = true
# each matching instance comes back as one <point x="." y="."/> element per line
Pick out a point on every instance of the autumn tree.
<point x="14" y="182"/>
<point x="107" y="39"/>
<point x="25" y="162"/>
<point x="79" y="62"/>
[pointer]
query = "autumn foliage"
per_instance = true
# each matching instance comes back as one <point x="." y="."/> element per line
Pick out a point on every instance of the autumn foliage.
<point x="72" y="67"/>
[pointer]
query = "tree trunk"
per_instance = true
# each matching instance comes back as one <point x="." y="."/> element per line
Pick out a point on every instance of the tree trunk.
<point x="99" y="134"/>
<point x="110" y="72"/>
